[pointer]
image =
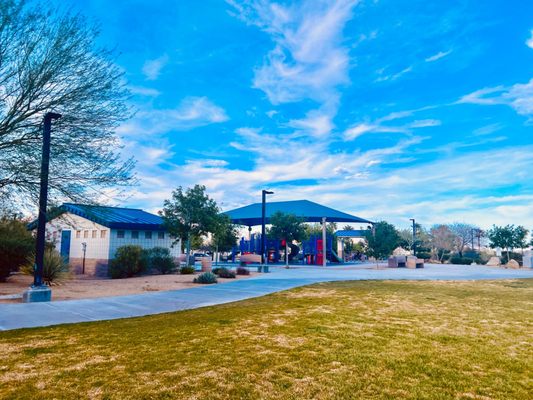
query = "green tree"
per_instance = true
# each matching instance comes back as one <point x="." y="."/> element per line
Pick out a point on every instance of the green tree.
<point x="382" y="240"/>
<point x="190" y="213"/>
<point x="16" y="246"/>
<point x="224" y="235"/>
<point x="49" y="61"/>
<point x="507" y="237"/>
<point x="287" y="227"/>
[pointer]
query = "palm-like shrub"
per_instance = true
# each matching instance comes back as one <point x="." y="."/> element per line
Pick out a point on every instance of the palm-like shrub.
<point x="54" y="267"/>
<point x="206" y="278"/>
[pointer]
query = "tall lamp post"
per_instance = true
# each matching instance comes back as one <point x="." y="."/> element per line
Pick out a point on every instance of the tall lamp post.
<point x="263" y="217"/>
<point x="414" y="236"/>
<point x="39" y="291"/>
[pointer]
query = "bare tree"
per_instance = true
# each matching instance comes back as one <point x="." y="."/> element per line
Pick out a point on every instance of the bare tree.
<point x="463" y="235"/>
<point x="442" y="239"/>
<point x="49" y="62"/>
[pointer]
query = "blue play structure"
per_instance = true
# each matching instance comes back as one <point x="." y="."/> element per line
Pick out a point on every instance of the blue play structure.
<point x="312" y="249"/>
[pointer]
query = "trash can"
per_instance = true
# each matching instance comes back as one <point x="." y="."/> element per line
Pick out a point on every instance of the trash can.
<point x="207" y="264"/>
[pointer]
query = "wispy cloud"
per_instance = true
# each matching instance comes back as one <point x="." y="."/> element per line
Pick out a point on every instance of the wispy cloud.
<point x="152" y="68"/>
<point x="309" y="59"/>
<point x="392" y="77"/>
<point x="192" y="112"/>
<point x="518" y="96"/>
<point x="144" y="91"/>
<point x="438" y="56"/>
<point x="529" y="42"/>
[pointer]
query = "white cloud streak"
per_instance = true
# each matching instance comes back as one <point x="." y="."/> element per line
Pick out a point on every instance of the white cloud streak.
<point x="152" y="68"/>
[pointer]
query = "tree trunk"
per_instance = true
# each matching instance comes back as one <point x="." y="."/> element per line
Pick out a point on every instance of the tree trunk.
<point x="286" y="254"/>
<point x="188" y="262"/>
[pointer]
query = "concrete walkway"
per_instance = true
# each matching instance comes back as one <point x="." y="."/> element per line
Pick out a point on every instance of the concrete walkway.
<point x="14" y="316"/>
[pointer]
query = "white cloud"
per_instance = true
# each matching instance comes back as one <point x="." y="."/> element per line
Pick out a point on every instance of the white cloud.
<point x="518" y="96"/>
<point x="309" y="59"/>
<point x="152" y="68"/>
<point x="529" y="42"/>
<point x="424" y="123"/>
<point x="392" y="77"/>
<point x="378" y="127"/>
<point x="144" y="91"/>
<point x="191" y="113"/>
<point x="316" y="123"/>
<point x="438" y="56"/>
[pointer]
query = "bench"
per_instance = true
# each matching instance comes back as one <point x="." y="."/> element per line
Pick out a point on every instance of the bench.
<point x="250" y="258"/>
<point x="414" y="262"/>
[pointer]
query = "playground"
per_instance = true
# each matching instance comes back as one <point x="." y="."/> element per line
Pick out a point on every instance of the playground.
<point x="318" y="249"/>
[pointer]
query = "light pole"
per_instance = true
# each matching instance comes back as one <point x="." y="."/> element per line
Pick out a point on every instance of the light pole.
<point x="263" y="212"/>
<point x="84" y="248"/>
<point x="414" y="236"/>
<point x="38" y="291"/>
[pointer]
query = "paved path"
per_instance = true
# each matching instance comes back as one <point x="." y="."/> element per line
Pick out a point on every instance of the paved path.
<point x="14" y="316"/>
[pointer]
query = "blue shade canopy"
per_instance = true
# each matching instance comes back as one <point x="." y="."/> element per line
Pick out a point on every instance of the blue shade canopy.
<point x="310" y="212"/>
<point x="111" y="217"/>
<point x="355" y="233"/>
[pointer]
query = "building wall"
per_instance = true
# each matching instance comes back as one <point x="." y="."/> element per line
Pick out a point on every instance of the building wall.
<point x="142" y="240"/>
<point x="102" y="242"/>
<point x="82" y="231"/>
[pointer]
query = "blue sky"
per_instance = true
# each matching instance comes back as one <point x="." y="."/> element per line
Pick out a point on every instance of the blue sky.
<point x="387" y="109"/>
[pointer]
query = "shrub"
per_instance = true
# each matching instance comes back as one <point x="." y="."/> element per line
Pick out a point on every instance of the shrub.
<point x="187" y="270"/>
<point x="226" y="273"/>
<point x="461" y="260"/>
<point x="206" y="278"/>
<point x="243" y="271"/>
<point x="16" y="246"/>
<point x="216" y="270"/>
<point x="159" y="259"/>
<point x="54" y="267"/>
<point x="129" y="260"/>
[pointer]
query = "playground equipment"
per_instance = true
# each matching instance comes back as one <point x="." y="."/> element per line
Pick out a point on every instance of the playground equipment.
<point x="312" y="249"/>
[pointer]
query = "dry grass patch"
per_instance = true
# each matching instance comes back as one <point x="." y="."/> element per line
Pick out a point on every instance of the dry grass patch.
<point x="343" y="340"/>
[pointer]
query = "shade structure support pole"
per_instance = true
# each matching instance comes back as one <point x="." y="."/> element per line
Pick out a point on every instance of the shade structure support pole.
<point x="324" y="247"/>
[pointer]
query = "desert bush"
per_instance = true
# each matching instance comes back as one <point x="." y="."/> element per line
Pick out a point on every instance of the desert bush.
<point x="16" y="246"/>
<point x="216" y="270"/>
<point x="159" y="259"/>
<point x="206" y="278"/>
<point x="187" y="270"/>
<point x="226" y="273"/>
<point x="130" y="260"/>
<point x="242" y="271"/>
<point x="461" y="260"/>
<point x="54" y="266"/>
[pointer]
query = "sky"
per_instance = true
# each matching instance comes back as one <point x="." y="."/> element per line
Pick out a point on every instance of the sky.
<point x="386" y="109"/>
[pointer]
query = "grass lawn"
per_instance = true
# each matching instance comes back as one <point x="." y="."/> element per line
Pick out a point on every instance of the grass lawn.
<point x="347" y="340"/>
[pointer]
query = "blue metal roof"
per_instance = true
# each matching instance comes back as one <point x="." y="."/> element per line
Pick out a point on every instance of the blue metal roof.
<point x="355" y="233"/>
<point x="111" y="217"/>
<point x="310" y="212"/>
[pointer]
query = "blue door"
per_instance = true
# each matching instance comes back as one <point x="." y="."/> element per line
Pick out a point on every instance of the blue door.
<point x="65" y="244"/>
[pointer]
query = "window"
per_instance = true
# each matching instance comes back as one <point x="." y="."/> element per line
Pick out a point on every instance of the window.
<point x="94" y="234"/>
<point x="85" y="234"/>
<point x="135" y="234"/>
<point x="160" y="235"/>
<point x="120" y="234"/>
<point x="78" y="234"/>
<point x="147" y="235"/>
<point x="102" y="234"/>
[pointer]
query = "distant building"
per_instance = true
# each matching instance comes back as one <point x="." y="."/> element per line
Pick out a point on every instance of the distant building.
<point x="103" y="230"/>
